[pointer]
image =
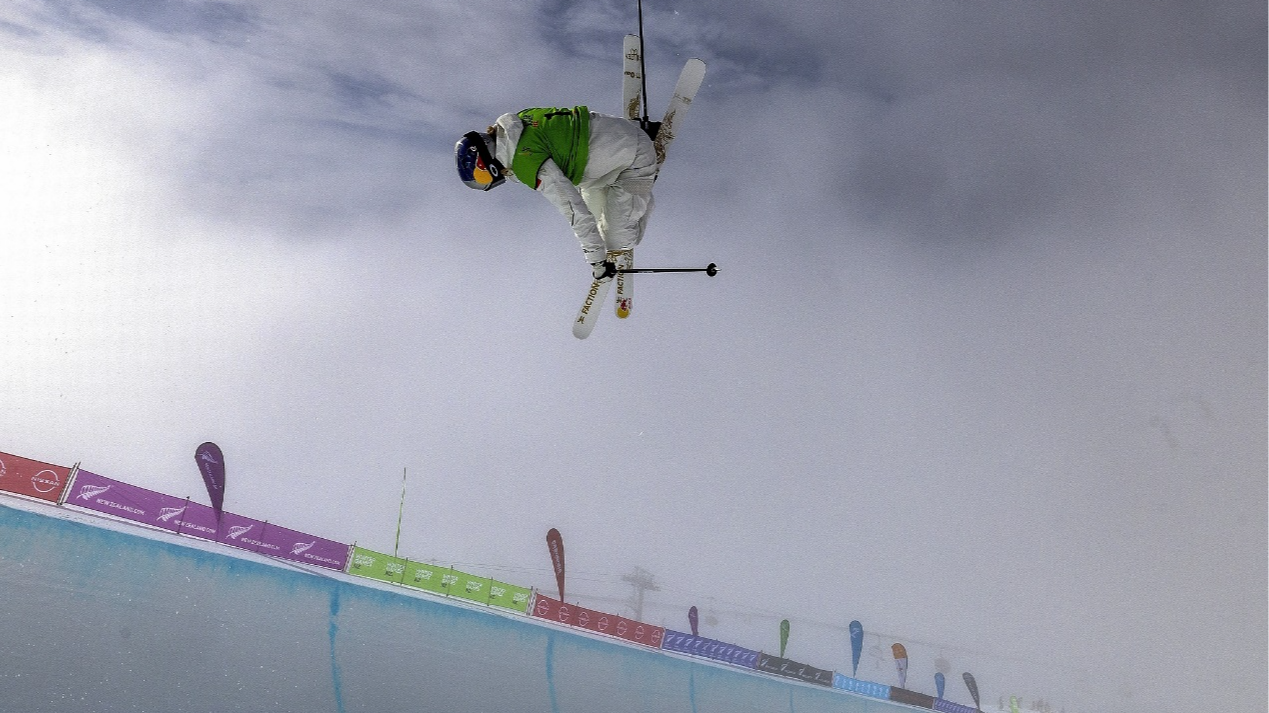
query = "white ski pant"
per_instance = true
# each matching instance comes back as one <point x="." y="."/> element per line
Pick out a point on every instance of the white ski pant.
<point x="621" y="198"/>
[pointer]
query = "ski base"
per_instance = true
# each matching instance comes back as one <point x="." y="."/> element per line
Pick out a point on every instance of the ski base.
<point x="591" y="307"/>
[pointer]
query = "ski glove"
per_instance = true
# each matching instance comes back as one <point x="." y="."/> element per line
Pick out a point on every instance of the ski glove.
<point x="603" y="271"/>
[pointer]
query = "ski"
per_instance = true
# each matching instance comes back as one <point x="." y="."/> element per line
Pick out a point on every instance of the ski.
<point x="684" y="92"/>
<point x="631" y="76"/>
<point x="589" y="313"/>
<point x="624" y="301"/>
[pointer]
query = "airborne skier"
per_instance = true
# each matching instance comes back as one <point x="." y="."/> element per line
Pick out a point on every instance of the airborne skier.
<point x="597" y="169"/>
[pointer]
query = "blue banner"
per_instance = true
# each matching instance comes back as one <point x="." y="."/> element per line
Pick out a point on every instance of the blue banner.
<point x="863" y="688"/>
<point x="939" y="684"/>
<point x="679" y="642"/>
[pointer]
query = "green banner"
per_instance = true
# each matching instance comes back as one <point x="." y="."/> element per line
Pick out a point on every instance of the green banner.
<point x="428" y="577"/>
<point x="375" y="565"/>
<point x="438" y="580"/>
<point x="509" y="596"/>
<point x="469" y="587"/>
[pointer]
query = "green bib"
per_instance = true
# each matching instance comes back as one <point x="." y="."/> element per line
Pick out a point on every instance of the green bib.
<point x="562" y="135"/>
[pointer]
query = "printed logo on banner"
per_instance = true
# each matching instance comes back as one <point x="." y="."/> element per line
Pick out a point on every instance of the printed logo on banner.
<point x="3" y="471"/>
<point x="394" y="569"/>
<point x="360" y="560"/>
<point x="45" y="483"/>
<point x="88" y="492"/>
<point x="167" y="514"/>
<point x="603" y="623"/>
<point x="520" y="598"/>
<point x="422" y="575"/>
<point x="583" y="619"/>
<point x="301" y="547"/>
<point x="621" y="627"/>
<point x="543" y="608"/>
<point x="237" y="531"/>
<point x="473" y="587"/>
<point x="565" y="614"/>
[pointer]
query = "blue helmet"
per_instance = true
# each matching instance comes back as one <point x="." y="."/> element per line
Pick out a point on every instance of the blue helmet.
<point x="477" y="166"/>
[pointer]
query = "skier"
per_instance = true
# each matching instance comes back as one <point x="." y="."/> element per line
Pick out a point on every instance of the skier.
<point x="598" y="170"/>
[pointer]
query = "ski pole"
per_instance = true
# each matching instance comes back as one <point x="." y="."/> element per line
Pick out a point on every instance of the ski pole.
<point x="710" y="270"/>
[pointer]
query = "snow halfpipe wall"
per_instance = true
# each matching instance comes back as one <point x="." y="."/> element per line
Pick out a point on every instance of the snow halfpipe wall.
<point x="101" y="615"/>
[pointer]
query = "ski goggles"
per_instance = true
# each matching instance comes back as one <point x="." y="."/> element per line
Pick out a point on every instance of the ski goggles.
<point x="476" y="166"/>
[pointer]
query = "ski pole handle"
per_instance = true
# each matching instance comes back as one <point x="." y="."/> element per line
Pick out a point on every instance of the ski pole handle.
<point x="710" y="269"/>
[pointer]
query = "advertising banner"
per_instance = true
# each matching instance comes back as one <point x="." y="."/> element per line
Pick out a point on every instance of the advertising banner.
<point x="428" y="577"/>
<point x="96" y="492"/>
<point x="32" y="478"/>
<point x="469" y="587"/>
<point x="792" y="669"/>
<point x="620" y="627"/>
<point x="945" y="706"/>
<point x="376" y="565"/>
<point x="275" y="541"/>
<point x="863" y="688"/>
<point x="911" y="698"/>
<point x="211" y="463"/>
<point x="856" y="646"/>
<point x="691" y="645"/>
<point x="509" y="596"/>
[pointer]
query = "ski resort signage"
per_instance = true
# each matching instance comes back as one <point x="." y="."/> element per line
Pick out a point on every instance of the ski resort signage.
<point x="167" y="512"/>
<point x="438" y="580"/>
<point x="792" y="669"/>
<point x="599" y="622"/>
<point x="32" y="478"/>
<point x="691" y="645"/>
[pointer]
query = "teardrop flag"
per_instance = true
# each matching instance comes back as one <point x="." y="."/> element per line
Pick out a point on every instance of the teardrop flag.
<point x="555" y="543"/>
<point x="856" y="646"/>
<point x="972" y="685"/>
<point x="784" y="636"/>
<point x="939" y="684"/>
<point x="211" y="463"/>
<point x="694" y="618"/>
<point x="901" y="662"/>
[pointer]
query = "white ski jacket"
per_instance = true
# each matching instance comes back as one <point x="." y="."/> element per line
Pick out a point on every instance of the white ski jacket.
<point x="609" y="208"/>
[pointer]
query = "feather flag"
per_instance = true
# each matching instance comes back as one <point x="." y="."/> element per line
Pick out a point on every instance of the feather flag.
<point x="555" y="543"/>
<point x="694" y="619"/>
<point x="939" y="684"/>
<point x="211" y="463"/>
<point x="972" y="685"/>
<point x="784" y="636"/>
<point x="901" y="662"/>
<point x="856" y="646"/>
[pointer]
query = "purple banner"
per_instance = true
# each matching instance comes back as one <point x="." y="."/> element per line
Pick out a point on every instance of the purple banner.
<point x="95" y="492"/>
<point x="708" y="648"/>
<point x="945" y="706"/>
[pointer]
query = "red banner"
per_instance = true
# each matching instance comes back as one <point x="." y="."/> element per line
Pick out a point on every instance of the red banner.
<point x="32" y="478"/>
<point x="620" y="627"/>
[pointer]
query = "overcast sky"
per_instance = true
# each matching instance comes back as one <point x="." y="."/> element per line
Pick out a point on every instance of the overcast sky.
<point x="985" y="366"/>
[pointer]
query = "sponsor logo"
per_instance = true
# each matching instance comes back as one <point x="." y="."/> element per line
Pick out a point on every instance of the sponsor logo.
<point x="603" y="623"/>
<point x="565" y="614"/>
<point x="621" y="627"/>
<point x="88" y="492"/>
<point x="423" y="575"/>
<point x="543" y="608"/>
<point x="496" y="592"/>
<point x="45" y="481"/>
<point x="639" y="632"/>
<point x="167" y="514"/>
<point x="360" y="560"/>
<point x="448" y="580"/>
<point x="394" y="568"/>
<point x="583" y="618"/>
<point x="238" y="531"/>
<point x="520" y="598"/>
<point x="300" y="548"/>
<point x="473" y="587"/>
<point x="3" y="471"/>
